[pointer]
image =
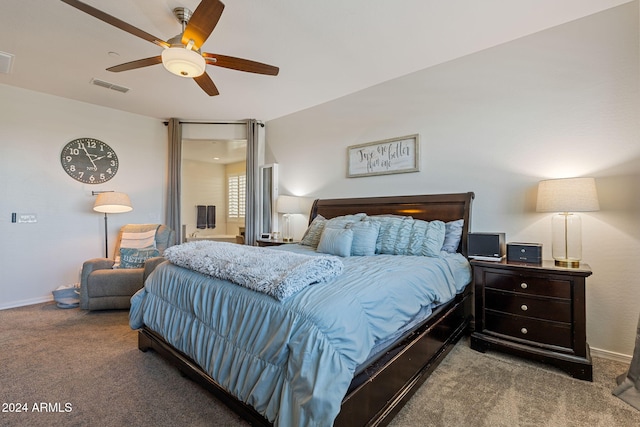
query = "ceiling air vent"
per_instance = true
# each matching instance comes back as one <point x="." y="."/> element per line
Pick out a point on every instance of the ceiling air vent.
<point x="108" y="85"/>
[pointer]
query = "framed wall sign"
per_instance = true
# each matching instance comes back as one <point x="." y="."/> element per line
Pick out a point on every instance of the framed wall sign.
<point x="395" y="155"/>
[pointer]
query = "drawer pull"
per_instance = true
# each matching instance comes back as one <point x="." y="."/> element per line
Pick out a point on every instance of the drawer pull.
<point x="524" y="307"/>
<point x="524" y="330"/>
<point x="523" y="285"/>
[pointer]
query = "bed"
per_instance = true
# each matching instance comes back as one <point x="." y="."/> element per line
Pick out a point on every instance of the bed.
<point x="377" y="382"/>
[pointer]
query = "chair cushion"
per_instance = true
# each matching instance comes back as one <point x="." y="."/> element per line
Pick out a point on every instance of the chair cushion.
<point x="122" y="282"/>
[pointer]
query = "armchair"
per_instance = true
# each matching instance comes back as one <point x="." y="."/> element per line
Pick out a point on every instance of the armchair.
<point x="104" y="288"/>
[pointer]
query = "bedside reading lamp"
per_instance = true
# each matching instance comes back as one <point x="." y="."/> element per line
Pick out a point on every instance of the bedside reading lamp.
<point x="288" y="205"/>
<point x="566" y="196"/>
<point x="110" y="202"/>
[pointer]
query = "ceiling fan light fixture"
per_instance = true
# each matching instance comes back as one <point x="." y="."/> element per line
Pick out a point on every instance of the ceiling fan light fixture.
<point x="183" y="62"/>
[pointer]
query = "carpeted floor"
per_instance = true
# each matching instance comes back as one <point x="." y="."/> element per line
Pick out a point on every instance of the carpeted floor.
<point x="78" y="368"/>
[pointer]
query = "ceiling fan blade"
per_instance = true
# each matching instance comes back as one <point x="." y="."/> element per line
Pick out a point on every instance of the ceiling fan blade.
<point x="207" y="85"/>
<point x="136" y="64"/>
<point x="202" y="22"/>
<point x="240" y="64"/>
<point x="105" y="17"/>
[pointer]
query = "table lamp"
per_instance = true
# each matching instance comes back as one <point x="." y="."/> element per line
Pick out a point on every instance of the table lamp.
<point x="565" y="197"/>
<point x="288" y="205"/>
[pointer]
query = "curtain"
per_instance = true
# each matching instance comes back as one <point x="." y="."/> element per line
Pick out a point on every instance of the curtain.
<point x="173" y="187"/>
<point x="629" y="383"/>
<point x="252" y="218"/>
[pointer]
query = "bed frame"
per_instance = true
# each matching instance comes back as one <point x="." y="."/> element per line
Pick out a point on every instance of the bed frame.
<point x="376" y="394"/>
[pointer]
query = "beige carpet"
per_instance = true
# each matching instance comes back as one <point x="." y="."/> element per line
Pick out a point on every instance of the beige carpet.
<point x="87" y="371"/>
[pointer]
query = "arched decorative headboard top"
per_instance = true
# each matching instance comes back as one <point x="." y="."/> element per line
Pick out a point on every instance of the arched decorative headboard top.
<point x="427" y="207"/>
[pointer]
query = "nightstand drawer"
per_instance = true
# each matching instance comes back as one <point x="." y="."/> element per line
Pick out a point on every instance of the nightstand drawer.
<point x="547" y="286"/>
<point x="526" y="328"/>
<point x="555" y="309"/>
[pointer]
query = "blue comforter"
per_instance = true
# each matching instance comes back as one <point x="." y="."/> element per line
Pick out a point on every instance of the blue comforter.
<point x="293" y="360"/>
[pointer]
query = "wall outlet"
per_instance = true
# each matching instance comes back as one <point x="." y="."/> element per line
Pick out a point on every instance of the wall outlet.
<point x="27" y="218"/>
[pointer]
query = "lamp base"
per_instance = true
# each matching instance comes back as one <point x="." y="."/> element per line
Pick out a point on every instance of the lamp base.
<point x="567" y="263"/>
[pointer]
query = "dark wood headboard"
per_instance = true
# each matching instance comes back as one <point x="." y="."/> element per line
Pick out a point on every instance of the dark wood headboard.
<point x="428" y="207"/>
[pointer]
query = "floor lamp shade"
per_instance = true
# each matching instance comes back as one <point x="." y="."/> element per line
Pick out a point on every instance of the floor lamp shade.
<point x="565" y="197"/>
<point x="288" y="205"/>
<point x="111" y="202"/>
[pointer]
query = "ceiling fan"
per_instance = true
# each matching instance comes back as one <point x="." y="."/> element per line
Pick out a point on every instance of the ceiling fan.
<point x="181" y="54"/>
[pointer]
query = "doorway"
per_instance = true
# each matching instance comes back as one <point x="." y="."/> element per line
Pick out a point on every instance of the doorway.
<point x="213" y="182"/>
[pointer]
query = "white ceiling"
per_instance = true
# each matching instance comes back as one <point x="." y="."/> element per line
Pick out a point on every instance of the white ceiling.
<point x="325" y="49"/>
<point x="219" y="151"/>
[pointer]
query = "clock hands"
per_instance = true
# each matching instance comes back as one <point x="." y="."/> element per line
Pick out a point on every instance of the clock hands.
<point x="89" y="156"/>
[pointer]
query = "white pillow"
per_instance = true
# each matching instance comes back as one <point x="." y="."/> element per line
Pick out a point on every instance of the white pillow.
<point x="144" y="239"/>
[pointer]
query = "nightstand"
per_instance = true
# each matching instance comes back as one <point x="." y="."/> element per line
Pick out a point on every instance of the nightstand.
<point x="533" y="311"/>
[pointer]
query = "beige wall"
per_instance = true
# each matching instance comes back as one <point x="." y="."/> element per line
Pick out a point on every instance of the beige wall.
<point x="563" y="102"/>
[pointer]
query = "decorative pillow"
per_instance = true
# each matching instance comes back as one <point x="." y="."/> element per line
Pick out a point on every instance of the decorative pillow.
<point x="365" y="235"/>
<point x="452" y="236"/>
<point x="433" y="239"/>
<point x="417" y="237"/>
<point x="403" y="235"/>
<point x="143" y="239"/>
<point x="311" y="237"/>
<point x="342" y="221"/>
<point x="336" y="241"/>
<point x="393" y="238"/>
<point x="137" y="236"/>
<point x="136" y="257"/>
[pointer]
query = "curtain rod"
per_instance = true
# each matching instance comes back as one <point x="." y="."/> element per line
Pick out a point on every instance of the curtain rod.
<point x="239" y="122"/>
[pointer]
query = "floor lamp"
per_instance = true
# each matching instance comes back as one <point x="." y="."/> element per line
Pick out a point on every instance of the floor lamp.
<point x="110" y="202"/>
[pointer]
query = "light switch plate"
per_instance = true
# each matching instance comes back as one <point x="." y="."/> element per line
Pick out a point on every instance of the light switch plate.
<point x="27" y="218"/>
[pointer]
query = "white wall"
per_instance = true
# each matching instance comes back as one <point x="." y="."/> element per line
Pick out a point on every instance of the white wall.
<point x="37" y="258"/>
<point x="563" y="102"/>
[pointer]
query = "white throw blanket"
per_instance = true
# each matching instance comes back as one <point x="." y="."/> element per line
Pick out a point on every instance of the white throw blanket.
<point x="279" y="274"/>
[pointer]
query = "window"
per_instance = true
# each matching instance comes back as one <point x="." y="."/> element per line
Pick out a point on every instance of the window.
<point x="237" y="188"/>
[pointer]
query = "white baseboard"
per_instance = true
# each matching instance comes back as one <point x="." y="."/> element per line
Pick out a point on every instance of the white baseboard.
<point x="24" y="302"/>
<point x="606" y="354"/>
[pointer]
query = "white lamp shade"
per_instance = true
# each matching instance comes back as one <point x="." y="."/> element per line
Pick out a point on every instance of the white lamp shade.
<point x="183" y="62"/>
<point x="567" y="195"/>
<point x="112" y="202"/>
<point x="289" y="205"/>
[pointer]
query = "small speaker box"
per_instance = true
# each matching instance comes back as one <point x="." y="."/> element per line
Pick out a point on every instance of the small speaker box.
<point x="530" y="253"/>
<point x="487" y="246"/>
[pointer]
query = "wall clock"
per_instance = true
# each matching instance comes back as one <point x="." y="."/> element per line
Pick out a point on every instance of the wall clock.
<point x="89" y="160"/>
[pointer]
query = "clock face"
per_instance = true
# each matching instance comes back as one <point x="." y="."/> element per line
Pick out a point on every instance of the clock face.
<point x="89" y="160"/>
